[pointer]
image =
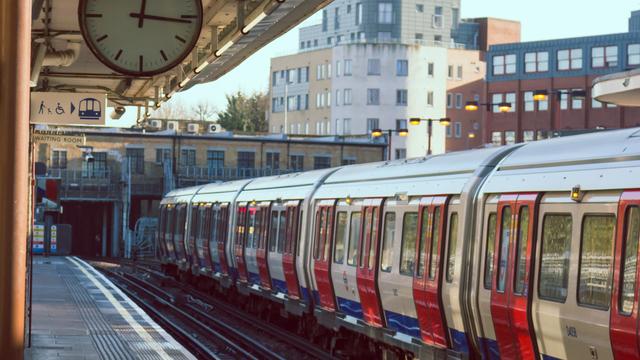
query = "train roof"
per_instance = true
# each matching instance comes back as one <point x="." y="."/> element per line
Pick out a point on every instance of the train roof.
<point x="439" y="174"/>
<point x="292" y="186"/>
<point x="595" y="161"/>
<point x="180" y="195"/>
<point x="229" y="186"/>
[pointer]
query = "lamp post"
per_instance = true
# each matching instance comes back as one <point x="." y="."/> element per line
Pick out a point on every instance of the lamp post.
<point x="417" y="121"/>
<point x="475" y="105"/>
<point x="376" y="133"/>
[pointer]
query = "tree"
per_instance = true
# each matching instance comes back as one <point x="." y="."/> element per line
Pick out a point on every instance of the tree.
<point x="245" y="113"/>
<point x="203" y="110"/>
<point x="173" y="109"/>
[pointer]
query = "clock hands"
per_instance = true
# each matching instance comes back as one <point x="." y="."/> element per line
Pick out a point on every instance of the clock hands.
<point x="142" y="16"/>
<point x="142" y="8"/>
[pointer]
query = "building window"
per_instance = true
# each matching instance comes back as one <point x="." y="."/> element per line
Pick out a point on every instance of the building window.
<point x="187" y="157"/>
<point x="346" y="126"/>
<point x="564" y="99"/>
<point x="347" y="97"/>
<point x="358" y="13"/>
<point x="136" y="159"/>
<point x="458" y="101"/>
<point x="304" y="74"/>
<point x="459" y="73"/>
<point x="529" y="104"/>
<point x="321" y="162"/>
<point x="246" y="160"/>
<point x="633" y="54"/>
<point x="273" y="160"/>
<point x="448" y="131"/>
<point x="401" y="154"/>
<point x="401" y="97"/>
<point x="438" y="20"/>
<point x="337" y="97"/>
<point x="496" y="138"/>
<point x="373" y="96"/>
<point x="329" y="40"/>
<point x="385" y="13"/>
<point x="528" y="135"/>
<point x="347" y="67"/>
<point x="215" y="159"/>
<point x="163" y="155"/>
<point x="420" y="8"/>
<point x="325" y="20"/>
<point x="348" y="161"/>
<point x="430" y="98"/>
<point x="437" y="40"/>
<point x="328" y="98"/>
<point x="510" y="137"/>
<point x="338" y="68"/>
<point x="348" y="9"/>
<point x="401" y="124"/>
<point x="457" y="129"/>
<point x="536" y="62"/>
<point x="373" y="67"/>
<point x="450" y="72"/>
<point x="430" y="69"/>
<point x="402" y="68"/>
<point x="336" y="18"/>
<point x="576" y="101"/>
<point x="297" y="162"/>
<point x="384" y="36"/>
<point x="604" y="56"/>
<point x="504" y="64"/>
<point x="449" y="100"/>
<point x="301" y="44"/>
<point x="418" y="36"/>
<point x="570" y="59"/>
<point x="595" y="104"/>
<point x="98" y="167"/>
<point x="59" y="159"/>
<point x="372" y="124"/>
<point x="511" y="99"/>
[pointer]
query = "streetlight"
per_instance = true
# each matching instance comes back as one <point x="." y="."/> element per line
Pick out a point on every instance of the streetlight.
<point x="376" y="133"/>
<point x="542" y="95"/>
<point x="475" y="105"/>
<point x="417" y="121"/>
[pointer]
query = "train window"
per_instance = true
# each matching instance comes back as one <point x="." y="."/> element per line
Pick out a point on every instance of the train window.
<point x="281" y="231"/>
<point x="367" y="233"/>
<point x="273" y="235"/>
<point x="299" y="235"/>
<point x="374" y="238"/>
<point x="596" y="257"/>
<point x="521" y="248"/>
<point x="251" y="229"/>
<point x="451" y="251"/>
<point x="408" y="250"/>
<point x="629" y="265"/>
<point x="554" y="264"/>
<point x="503" y="250"/>
<point x="354" y="236"/>
<point x="341" y="235"/>
<point x="387" y="241"/>
<point x="488" y="256"/>
<point x="214" y="225"/>
<point x="435" y="238"/>
<point x="424" y="228"/>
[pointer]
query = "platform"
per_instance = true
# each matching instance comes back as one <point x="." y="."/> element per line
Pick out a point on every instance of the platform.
<point x="80" y="314"/>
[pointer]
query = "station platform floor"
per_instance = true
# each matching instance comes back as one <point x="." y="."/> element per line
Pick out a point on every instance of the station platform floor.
<point x="79" y="314"/>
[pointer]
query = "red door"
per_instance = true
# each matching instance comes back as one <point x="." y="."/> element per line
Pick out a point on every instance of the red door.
<point x="222" y="225"/>
<point x="262" y="231"/>
<point x="322" y="258"/>
<point x="289" y="255"/>
<point x="624" y="329"/>
<point x="427" y="284"/>
<point x="240" y="242"/>
<point x="511" y="288"/>
<point x="366" y="272"/>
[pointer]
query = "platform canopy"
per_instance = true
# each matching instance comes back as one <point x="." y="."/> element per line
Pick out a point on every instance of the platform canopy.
<point x="61" y="60"/>
<point x="622" y="89"/>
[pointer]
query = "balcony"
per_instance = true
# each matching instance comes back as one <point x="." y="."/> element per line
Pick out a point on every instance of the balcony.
<point x="86" y="185"/>
<point x="192" y="176"/>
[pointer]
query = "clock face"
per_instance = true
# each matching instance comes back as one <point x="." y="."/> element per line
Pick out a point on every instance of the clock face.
<point x="140" y="37"/>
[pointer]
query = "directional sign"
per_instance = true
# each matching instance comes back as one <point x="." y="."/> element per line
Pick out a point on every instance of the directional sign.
<point x="62" y="108"/>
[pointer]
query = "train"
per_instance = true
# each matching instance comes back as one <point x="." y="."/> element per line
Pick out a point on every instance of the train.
<point x="516" y="252"/>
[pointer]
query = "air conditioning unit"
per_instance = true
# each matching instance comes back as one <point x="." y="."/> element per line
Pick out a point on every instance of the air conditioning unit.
<point x="173" y="125"/>
<point x="193" y="128"/>
<point x="156" y="124"/>
<point x="213" y="128"/>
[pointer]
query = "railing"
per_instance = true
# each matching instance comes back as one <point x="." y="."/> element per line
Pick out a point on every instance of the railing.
<point x="192" y="175"/>
<point x="86" y="184"/>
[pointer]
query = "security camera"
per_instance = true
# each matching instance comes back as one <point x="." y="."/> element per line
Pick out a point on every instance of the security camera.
<point x="117" y="113"/>
<point x="88" y="157"/>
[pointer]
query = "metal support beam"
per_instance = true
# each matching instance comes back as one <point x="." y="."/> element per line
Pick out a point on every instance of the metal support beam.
<point x="15" y="60"/>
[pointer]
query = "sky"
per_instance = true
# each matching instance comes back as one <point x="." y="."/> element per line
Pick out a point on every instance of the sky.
<point x="540" y="20"/>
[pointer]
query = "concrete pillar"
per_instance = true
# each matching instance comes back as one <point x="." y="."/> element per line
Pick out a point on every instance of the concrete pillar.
<point x="116" y="230"/>
<point x="15" y="60"/>
<point x="104" y="230"/>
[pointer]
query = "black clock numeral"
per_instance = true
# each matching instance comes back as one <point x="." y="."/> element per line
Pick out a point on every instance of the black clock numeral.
<point x="118" y="54"/>
<point x="164" y="56"/>
<point x="181" y="39"/>
<point x="93" y="15"/>
<point x="141" y="60"/>
<point x="189" y="16"/>
<point x="102" y="37"/>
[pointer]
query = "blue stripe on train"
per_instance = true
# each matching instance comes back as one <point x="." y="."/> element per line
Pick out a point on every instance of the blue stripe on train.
<point x="316" y="297"/>
<point x="459" y="341"/>
<point x="548" y="357"/>
<point x="490" y="347"/>
<point x="403" y="324"/>
<point x="254" y="278"/>
<point x="305" y="294"/>
<point x="350" y="307"/>
<point x="280" y="285"/>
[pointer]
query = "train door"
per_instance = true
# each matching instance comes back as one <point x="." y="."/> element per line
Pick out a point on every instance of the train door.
<point x="239" y="243"/>
<point x="168" y="234"/>
<point x="275" y="277"/>
<point x="222" y="232"/>
<point x="513" y="262"/>
<point x="161" y="251"/>
<point x="366" y="272"/>
<point x="427" y="283"/>
<point x="624" y="327"/>
<point x="323" y="231"/>
<point x="261" y="252"/>
<point x="251" y="240"/>
<point x="178" y="233"/>
<point x="194" y="224"/>
<point x="487" y="340"/>
<point x="202" y="239"/>
<point x="291" y="243"/>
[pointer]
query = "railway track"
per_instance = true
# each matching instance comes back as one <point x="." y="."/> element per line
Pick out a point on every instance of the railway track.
<point x="204" y="313"/>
